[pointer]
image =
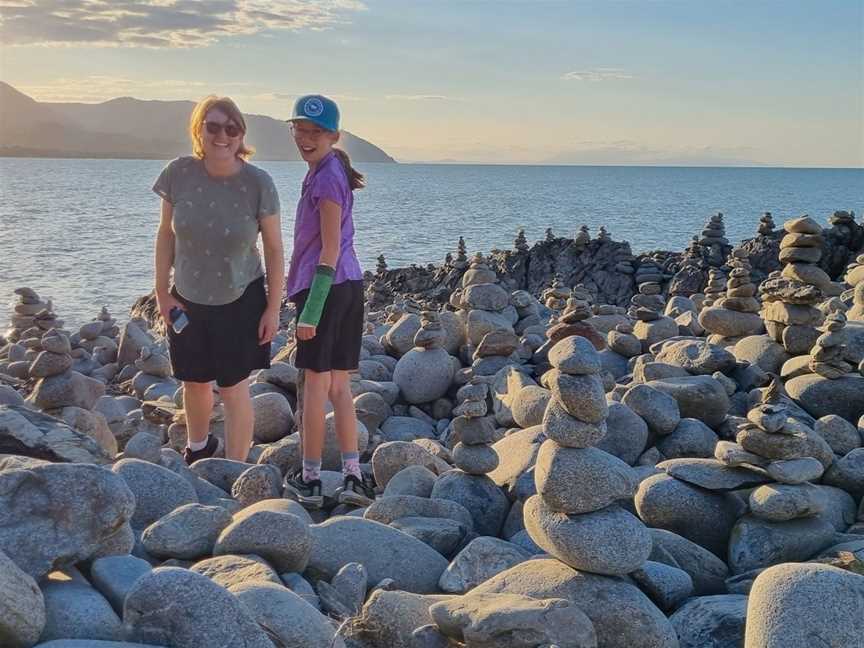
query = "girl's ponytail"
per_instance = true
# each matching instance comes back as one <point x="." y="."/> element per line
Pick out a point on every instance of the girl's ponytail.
<point x="356" y="180"/>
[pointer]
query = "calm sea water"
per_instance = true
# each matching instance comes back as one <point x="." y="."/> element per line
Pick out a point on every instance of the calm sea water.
<point x="81" y="231"/>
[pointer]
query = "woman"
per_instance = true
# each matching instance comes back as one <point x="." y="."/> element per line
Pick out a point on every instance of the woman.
<point x="214" y="205"/>
<point x="326" y="283"/>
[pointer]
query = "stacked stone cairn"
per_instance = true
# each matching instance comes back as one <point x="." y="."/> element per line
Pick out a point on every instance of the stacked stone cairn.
<point x="826" y="356"/>
<point x="555" y="297"/>
<point x="573" y="321"/>
<point x="25" y="313"/>
<point x="473" y="454"/>
<point x="425" y="372"/>
<point x="649" y="277"/>
<point x="844" y="221"/>
<point x="574" y="515"/>
<point x="550" y="236"/>
<point x="521" y="243"/>
<point x="153" y="379"/>
<point x="855" y="278"/>
<point x="791" y="316"/>
<point x="622" y="341"/>
<point x="714" y="240"/>
<point x="381" y="266"/>
<point x="766" y="224"/>
<point x="461" y="260"/>
<point x="734" y="316"/>
<point x="583" y="237"/>
<point x="716" y="287"/>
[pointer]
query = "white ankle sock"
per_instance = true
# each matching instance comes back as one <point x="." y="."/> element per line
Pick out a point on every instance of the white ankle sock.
<point x="199" y="445"/>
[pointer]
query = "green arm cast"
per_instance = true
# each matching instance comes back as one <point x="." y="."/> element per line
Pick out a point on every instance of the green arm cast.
<point x="318" y="292"/>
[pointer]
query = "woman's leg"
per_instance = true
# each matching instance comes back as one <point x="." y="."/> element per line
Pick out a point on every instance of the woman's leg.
<point x="239" y="420"/>
<point x="198" y="405"/>
<point x="315" y="392"/>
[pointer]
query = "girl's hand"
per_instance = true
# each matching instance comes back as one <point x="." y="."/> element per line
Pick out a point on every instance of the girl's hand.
<point x="305" y="332"/>
<point x="165" y="302"/>
<point x="268" y="326"/>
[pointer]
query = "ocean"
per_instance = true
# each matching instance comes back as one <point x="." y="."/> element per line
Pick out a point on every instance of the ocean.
<point x="81" y="231"/>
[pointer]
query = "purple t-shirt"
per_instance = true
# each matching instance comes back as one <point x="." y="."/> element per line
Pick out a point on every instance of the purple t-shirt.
<point x="327" y="181"/>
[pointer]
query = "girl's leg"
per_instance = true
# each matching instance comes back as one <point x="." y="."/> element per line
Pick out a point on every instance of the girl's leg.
<point x="198" y="404"/>
<point x="239" y="420"/>
<point x="315" y="392"/>
<point x="346" y="421"/>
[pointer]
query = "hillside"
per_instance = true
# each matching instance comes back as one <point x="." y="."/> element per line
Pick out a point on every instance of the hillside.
<point x="127" y="127"/>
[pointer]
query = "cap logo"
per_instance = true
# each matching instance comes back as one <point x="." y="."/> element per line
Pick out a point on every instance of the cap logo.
<point x="313" y="107"/>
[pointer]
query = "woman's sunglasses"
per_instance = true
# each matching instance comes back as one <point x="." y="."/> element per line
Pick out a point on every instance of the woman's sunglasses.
<point x="215" y="127"/>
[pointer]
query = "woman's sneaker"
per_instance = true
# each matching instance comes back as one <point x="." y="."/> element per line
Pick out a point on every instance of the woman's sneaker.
<point x="190" y="456"/>
<point x="307" y="493"/>
<point x="355" y="492"/>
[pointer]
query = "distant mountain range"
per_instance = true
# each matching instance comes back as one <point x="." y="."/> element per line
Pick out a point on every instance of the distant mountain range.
<point x="132" y="128"/>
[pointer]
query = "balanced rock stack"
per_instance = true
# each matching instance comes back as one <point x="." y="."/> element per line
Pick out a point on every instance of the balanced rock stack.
<point x="716" y="287"/>
<point x="855" y="278"/>
<point x="766" y="224"/>
<point x="843" y="221"/>
<point x="521" y="243"/>
<point x="574" y="515"/>
<point x="473" y="454"/>
<point x="555" y="297"/>
<point x="461" y="260"/>
<point x="790" y="313"/>
<point x="734" y="316"/>
<point x="583" y="237"/>
<point x="622" y="341"/>
<point x="24" y="312"/>
<point x="527" y="309"/>
<point x="424" y="373"/>
<point x="826" y="356"/>
<point x="572" y="321"/>
<point x="59" y="385"/>
<point x="649" y="277"/>
<point x="153" y="379"/>
<point x="603" y="235"/>
<point x="55" y="357"/>
<point x="550" y="237"/>
<point x="714" y="239"/>
<point x="781" y="450"/>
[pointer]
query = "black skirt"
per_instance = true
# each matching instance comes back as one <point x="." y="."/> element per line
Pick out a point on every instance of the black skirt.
<point x="339" y="334"/>
<point x="220" y="342"/>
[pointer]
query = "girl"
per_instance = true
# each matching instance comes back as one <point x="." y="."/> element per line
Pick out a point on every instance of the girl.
<point x="214" y="205"/>
<point x="326" y="283"/>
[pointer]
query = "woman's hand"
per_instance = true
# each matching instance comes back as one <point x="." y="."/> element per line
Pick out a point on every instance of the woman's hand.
<point x="268" y="326"/>
<point x="305" y="332"/>
<point x="165" y="302"/>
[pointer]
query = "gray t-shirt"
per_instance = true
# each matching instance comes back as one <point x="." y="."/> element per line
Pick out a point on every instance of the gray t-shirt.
<point x="216" y="225"/>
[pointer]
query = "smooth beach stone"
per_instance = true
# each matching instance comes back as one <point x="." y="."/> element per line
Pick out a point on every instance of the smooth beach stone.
<point x="699" y="397"/>
<point x="581" y="396"/>
<point x="623" y="617"/>
<point x="232" y="570"/>
<point x="705" y="517"/>
<point x="585" y="541"/>
<point x="443" y="535"/>
<point x="200" y="614"/>
<point x="795" y="471"/>
<point x="486" y="502"/>
<point x="581" y="480"/>
<point x="75" y="610"/>
<point x="474" y="431"/>
<point x="841" y="435"/>
<point x="667" y="586"/>
<point x="220" y="472"/>
<point x="511" y="621"/>
<point x="413" y="565"/>
<point x="800" y="255"/>
<point x="529" y="404"/>
<point x="659" y="410"/>
<point x="32" y="433"/>
<point x="839" y="507"/>
<point x="56" y="515"/>
<point x="802" y="605"/>
<point x="707" y="572"/>
<point x="282" y="539"/>
<point x="392" y="456"/>
<point x="257" y="483"/>
<point x="756" y="543"/>
<point x="481" y="559"/>
<point x="626" y="434"/>
<point x="803" y="443"/>
<point x="847" y="473"/>
<point x="821" y="396"/>
<point x="782" y="502"/>
<point x="114" y="576"/>
<point x="22" y="606"/>
<point x="517" y="453"/>
<point x="575" y="355"/>
<point x="762" y="351"/>
<point x="690" y="438"/>
<point x="188" y="532"/>
<point x="157" y="490"/>
<point x="413" y="480"/>
<point x="68" y="388"/>
<point x="388" y="509"/>
<point x="730" y="323"/>
<point x="399" y="339"/>
<point x="406" y="428"/>
<point x="711" y="621"/>
<point x="711" y="474"/>
<point x="476" y="459"/>
<point x="567" y="430"/>
<point x="423" y="375"/>
<point x="697" y="357"/>
<point x="286" y="615"/>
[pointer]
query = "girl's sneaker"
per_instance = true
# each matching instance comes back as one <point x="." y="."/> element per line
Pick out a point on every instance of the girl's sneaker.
<point x="355" y="492"/>
<point x="190" y="456"/>
<point x="307" y="493"/>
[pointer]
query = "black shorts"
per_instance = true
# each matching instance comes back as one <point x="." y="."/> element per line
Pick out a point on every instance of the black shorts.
<point x="220" y="342"/>
<point x="339" y="334"/>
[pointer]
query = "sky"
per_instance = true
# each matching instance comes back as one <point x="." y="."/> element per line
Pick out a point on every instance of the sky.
<point x="744" y="82"/>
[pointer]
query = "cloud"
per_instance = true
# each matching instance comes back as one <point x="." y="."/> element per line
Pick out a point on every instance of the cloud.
<point x="418" y="97"/>
<point x="160" y="23"/>
<point x="597" y="74"/>
<point x="98" y="88"/>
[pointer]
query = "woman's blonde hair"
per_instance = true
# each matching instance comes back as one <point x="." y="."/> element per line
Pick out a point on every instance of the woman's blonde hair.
<point x="199" y="114"/>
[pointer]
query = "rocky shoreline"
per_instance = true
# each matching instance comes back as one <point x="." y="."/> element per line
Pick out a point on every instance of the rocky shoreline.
<point x="573" y="446"/>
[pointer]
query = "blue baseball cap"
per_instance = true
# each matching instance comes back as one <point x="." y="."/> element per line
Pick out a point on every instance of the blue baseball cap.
<point x="317" y="109"/>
